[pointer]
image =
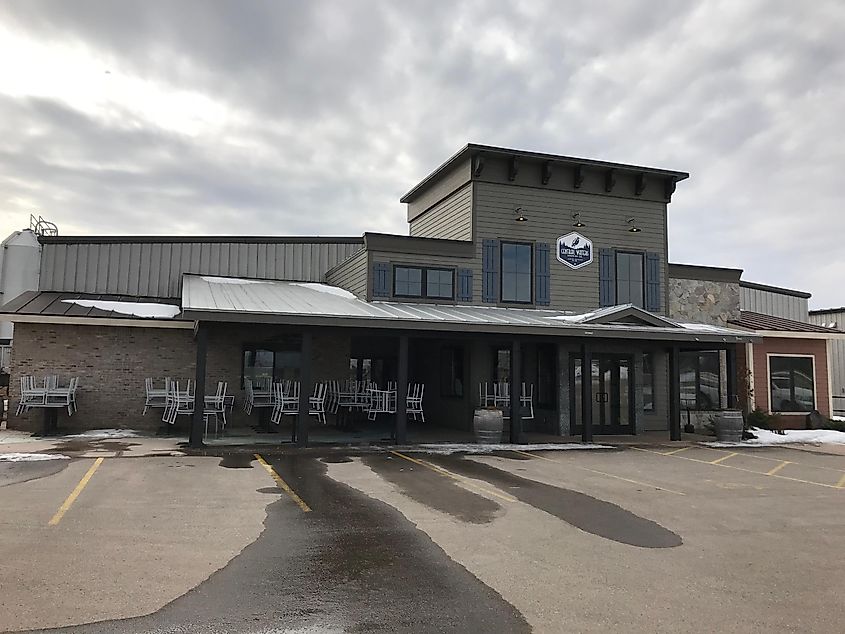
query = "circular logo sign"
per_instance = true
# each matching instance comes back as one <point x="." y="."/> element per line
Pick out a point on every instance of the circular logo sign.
<point x="574" y="250"/>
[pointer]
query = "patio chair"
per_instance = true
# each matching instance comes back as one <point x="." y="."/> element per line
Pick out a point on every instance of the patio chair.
<point x="414" y="406"/>
<point x="178" y="401"/>
<point x="215" y="405"/>
<point x="154" y="397"/>
<point x="31" y="396"/>
<point x="381" y="402"/>
<point x="56" y="396"/>
<point x="526" y="400"/>
<point x="317" y="402"/>
<point x="486" y="395"/>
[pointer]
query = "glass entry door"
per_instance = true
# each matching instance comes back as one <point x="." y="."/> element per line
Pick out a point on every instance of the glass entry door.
<point x="613" y="394"/>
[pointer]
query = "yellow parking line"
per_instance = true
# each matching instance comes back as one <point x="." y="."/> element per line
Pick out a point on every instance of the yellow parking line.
<point x="723" y="458"/>
<point x="282" y="484"/>
<point x="757" y="456"/>
<point x="674" y="451"/>
<point x="609" y="475"/>
<point x="730" y="466"/>
<point x="774" y="470"/>
<point x="841" y="483"/>
<point x="75" y="493"/>
<point x="449" y="474"/>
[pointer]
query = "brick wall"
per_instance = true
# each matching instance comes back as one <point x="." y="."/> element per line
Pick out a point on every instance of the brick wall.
<point x="774" y="345"/>
<point x="112" y="363"/>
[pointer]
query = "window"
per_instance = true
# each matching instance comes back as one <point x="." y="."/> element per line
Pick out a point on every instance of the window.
<point x="648" y="382"/>
<point x="407" y="281"/>
<point x="439" y="283"/>
<point x="516" y="272"/>
<point x="700" y="380"/>
<point x="547" y="376"/>
<point x="268" y="364"/>
<point x="792" y="384"/>
<point x="501" y="365"/>
<point x="415" y="281"/>
<point x="629" y="279"/>
<point x="451" y="371"/>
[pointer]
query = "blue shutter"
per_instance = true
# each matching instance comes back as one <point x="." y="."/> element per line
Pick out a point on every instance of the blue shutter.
<point x="490" y="271"/>
<point x="542" y="274"/>
<point x="652" y="282"/>
<point x="607" y="277"/>
<point x="464" y="285"/>
<point x="381" y="279"/>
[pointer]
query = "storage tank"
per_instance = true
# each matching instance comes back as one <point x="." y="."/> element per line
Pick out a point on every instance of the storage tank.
<point x="20" y="263"/>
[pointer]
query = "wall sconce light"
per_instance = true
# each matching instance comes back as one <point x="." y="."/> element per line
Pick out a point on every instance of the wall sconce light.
<point x="633" y="228"/>
<point x="520" y="216"/>
<point x="577" y="218"/>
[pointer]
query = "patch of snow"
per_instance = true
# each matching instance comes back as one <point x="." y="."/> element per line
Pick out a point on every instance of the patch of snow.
<point x="575" y="319"/>
<point x="136" y="309"/>
<point x="231" y="280"/>
<point x="325" y="288"/>
<point x="703" y="327"/>
<point x="106" y="433"/>
<point x="766" y="438"/>
<point x="31" y="457"/>
<point x="473" y="448"/>
<point x="841" y="419"/>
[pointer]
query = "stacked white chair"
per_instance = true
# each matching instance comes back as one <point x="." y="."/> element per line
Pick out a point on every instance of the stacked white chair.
<point x="526" y="401"/>
<point x="414" y="401"/>
<point x="215" y="405"/>
<point x="154" y="396"/>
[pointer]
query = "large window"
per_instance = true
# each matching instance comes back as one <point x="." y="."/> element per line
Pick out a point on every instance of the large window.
<point x="516" y="272"/>
<point x="264" y="364"/>
<point x="792" y="384"/>
<point x="415" y="281"/>
<point x="629" y="279"/>
<point x="451" y="371"/>
<point x="648" y="382"/>
<point x="700" y="380"/>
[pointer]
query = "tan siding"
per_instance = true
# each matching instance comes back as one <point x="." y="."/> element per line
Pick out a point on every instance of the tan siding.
<point x="445" y="185"/>
<point x="450" y="219"/>
<point x="351" y="275"/>
<point x="427" y="260"/>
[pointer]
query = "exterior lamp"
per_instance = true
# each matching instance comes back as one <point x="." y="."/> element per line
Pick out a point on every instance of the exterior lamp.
<point x="633" y="228"/>
<point x="577" y="218"/>
<point x="520" y="216"/>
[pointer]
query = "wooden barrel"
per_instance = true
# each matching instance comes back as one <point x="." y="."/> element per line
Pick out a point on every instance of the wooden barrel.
<point x="487" y="424"/>
<point x="729" y="425"/>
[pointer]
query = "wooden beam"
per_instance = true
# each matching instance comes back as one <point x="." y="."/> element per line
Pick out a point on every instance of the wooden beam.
<point x="513" y="168"/>
<point x="609" y="180"/>
<point x="477" y="165"/>
<point x="546" y="172"/>
<point x="669" y="188"/>
<point x="578" y="177"/>
<point x="639" y="184"/>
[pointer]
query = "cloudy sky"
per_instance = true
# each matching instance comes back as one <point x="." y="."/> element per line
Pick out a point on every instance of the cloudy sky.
<point x="308" y="118"/>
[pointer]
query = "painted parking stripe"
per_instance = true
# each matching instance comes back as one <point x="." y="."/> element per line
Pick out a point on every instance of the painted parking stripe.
<point x="777" y="468"/>
<point x="752" y="454"/>
<point x="282" y="484"/>
<point x="75" y="493"/>
<point x="723" y="458"/>
<point x="841" y="483"/>
<point x="674" y="451"/>
<point x="608" y="475"/>
<point x="454" y="476"/>
<point x="730" y="466"/>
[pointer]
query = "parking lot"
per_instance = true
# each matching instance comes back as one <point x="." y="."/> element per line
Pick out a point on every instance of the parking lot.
<point x="649" y="538"/>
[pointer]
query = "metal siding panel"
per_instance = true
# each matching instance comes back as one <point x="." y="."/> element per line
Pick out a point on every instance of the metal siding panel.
<point x="145" y="267"/>
<point x="214" y="259"/>
<point x="79" y="278"/>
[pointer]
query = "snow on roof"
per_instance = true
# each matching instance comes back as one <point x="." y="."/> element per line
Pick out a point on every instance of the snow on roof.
<point x="325" y="288"/>
<point x="136" y="309"/>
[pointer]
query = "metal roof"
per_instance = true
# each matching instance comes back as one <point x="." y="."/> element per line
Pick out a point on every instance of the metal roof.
<point x="267" y="301"/>
<point x="50" y="304"/>
<point x="758" y="321"/>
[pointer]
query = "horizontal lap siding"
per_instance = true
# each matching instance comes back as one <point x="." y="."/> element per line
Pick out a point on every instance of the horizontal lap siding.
<point x="445" y="185"/>
<point x="450" y="219"/>
<point x="155" y="269"/>
<point x="549" y="215"/>
<point x="351" y="275"/>
<point x="441" y="261"/>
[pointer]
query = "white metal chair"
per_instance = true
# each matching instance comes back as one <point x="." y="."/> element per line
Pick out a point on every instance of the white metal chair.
<point x="381" y="402"/>
<point x="258" y="394"/>
<point x="526" y="400"/>
<point x="414" y="401"/>
<point x="31" y="395"/>
<point x="215" y="405"/>
<point x="178" y="402"/>
<point x="317" y="402"/>
<point x="154" y="397"/>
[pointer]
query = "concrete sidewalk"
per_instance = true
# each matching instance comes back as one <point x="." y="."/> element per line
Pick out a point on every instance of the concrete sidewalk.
<point x="92" y="445"/>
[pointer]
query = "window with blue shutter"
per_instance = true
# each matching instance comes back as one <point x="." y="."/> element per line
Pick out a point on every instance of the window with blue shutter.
<point x="652" y="282"/>
<point x="607" y="277"/>
<point x="490" y="271"/>
<point x="381" y="279"/>
<point x="464" y="285"/>
<point x="542" y="274"/>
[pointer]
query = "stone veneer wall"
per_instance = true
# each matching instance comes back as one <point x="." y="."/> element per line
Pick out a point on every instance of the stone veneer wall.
<point x="113" y="361"/>
<point x="703" y="301"/>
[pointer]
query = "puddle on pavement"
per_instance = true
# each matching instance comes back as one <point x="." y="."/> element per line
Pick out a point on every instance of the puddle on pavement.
<point x="83" y="445"/>
<point x="590" y="514"/>
<point x="273" y="490"/>
<point x="335" y="459"/>
<point x="18" y="472"/>
<point x="237" y="461"/>
<point x="433" y="490"/>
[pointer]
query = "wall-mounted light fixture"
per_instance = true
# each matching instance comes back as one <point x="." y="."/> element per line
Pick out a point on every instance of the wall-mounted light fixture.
<point x="633" y="228"/>
<point x="577" y="218"/>
<point x="520" y="215"/>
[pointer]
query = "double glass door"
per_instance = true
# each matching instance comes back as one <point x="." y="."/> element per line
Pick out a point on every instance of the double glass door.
<point x="611" y="377"/>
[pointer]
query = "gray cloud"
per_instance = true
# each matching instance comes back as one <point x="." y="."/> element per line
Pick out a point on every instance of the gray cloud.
<point x="330" y="111"/>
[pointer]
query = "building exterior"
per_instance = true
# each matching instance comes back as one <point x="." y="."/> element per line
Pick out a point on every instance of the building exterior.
<point x="834" y="318"/>
<point x="519" y="267"/>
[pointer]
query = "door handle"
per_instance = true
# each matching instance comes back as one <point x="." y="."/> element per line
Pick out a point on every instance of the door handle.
<point x="605" y="397"/>
<point x="598" y="397"/>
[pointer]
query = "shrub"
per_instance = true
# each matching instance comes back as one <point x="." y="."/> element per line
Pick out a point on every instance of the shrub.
<point x="760" y="419"/>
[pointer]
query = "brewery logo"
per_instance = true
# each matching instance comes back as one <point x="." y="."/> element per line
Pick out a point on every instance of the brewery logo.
<point x="574" y="250"/>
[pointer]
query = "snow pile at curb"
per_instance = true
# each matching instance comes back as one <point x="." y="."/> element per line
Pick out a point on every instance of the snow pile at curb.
<point x="31" y="457"/>
<point x="100" y="434"/>
<point x="766" y="438"/>
<point x="450" y="448"/>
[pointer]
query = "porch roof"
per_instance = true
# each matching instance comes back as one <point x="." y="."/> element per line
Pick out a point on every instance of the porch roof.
<point x="208" y="298"/>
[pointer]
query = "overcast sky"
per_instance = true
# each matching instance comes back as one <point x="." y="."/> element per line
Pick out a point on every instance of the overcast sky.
<point x="313" y="118"/>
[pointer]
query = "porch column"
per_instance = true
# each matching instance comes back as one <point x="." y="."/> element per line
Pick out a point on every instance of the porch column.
<point x="674" y="393"/>
<point x="198" y="419"/>
<point x="305" y="388"/>
<point x="516" y="392"/>
<point x="402" y="392"/>
<point x="586" y="393"/>
<point x="730" y="362"/>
